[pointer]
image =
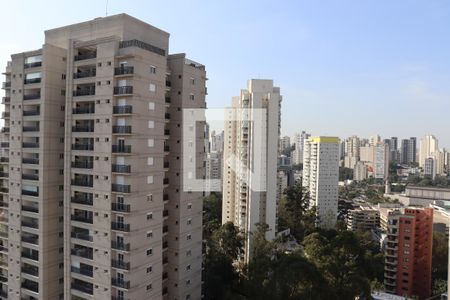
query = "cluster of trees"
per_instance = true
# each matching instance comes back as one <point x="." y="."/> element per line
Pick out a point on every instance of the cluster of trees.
<point x="439" y="181"/>
<point x="326" y="264"/>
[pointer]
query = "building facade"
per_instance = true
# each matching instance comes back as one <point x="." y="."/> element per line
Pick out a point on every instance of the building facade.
<point x="321" y="177"/>
<point x="99" y="108"/>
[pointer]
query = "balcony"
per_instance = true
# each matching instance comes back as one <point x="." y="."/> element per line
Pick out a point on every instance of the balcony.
<point x="85" y="74"/>
<point x="166" y="181"/>
<point x="4" y="159"/>
<point x="125" y="284"/>
<point x="123" y="90"/>
<point x="6" y="115"/>
<point x="166" y="197"/>
<point x="86" y="164"/>
<point x="6" y="100"/>
<point x="167" y="99"/>
<point x="30" y="128"/>
<point x="83" y="147"/>
<point x="33" y="96"/>
<point x="29" y="208"/>
<point x="166" y="131"/>
<point x="120" y="264"/>
<point x="122" y="110"/>
<point x="166" y="165"/>
<point x="83" y="198"/>
<point x="165" y="213"/>
<point x="30" y="160"/>
<point x="32" y="65"/>
<point x="6" y="85"/>
<point x="30" y="224"/>
<point x="30" y="270"/>
<point x="120" y="207"/>
<point x="84" y="92"/>
<point x="83" y="271"/>
<point x="81" y="128"/>
<point x="34" y="177"/>
<point x="86" y="182"/>
<point x="121" y="129"/>
<point x="84" y="110"/>
<point x="84" y="288"/>
<point x="120" y="226"/>
<point x="82" y="236"/>
<point x="34" y="112"/>
<point x="31" y="80"/>
<point x="82" y="252"/>
<point x="30" y="193"/>
<point x="167" y="116"/>
<point x="120" y="246"/>
<point x="121" y="188"/>
<point x="4" y="174"/>
<point x="4" y="190"/>
<point x="82" y="218"/>
<point x="30" y="285"/>
<point x="121" y="168"/>
<point x="30" y="239"/>
<point x="5" y="129"/>
<point x="124" y="70"/>
<point x="168" y="83"/>
<point x="121" y="148"/>
<point x="30" y="145"/>
<point x="84" y="56"/>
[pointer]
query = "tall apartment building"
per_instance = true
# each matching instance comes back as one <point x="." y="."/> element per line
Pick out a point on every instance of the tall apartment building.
<point x="94" y="191"/>
<point x="381" y="161"/>
<point x="321" y="177"/>
<point x="352" y="151"/>
<point x="299" y="140"/>
<point x="429" y="146"/>
<point x="408" y="151"/>
<point x="408" y="252"/>
<point x="285" y="143"/>
<point x="254" y="147"/>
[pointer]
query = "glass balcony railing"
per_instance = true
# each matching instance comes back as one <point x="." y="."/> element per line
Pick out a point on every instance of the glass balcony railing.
<point x="123" y="90"/>
<point x="126" y="70"/>
<point x="121" y="148"/>
<point x="121" y="188"/>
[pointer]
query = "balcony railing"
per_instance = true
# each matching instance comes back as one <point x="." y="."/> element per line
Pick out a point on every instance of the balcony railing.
<point x="4" y="159"/>
<point x="82" y="252"/>
<point x="84" y="92"/>
<point x="120" y="246"/>
<point x="125" y="284"/>
<point x="84" y="110"/>
<point x="30" y="239"/>
<point x="31" y="255"/>
<point x="31" y="161"/>
<point x="85" y="199"/>
<point x="4" y="189"/>
<point x="83" y="182"/>
<point x="167" y="116"/>
<point x="83" y="56"/>
<point x="30" y="224"/>
<point x="123" y="90"/>
<point x="80" y="128"/>
<point x="4" y="174"/>
<point x="82" y="219"/>
<point x="82" y="236"/>
<point x="6" y="100"/>
<point x="124" y="70"/>
<point x="86" y="147"/>
<point x="32" y="209"/>
<point x="120" y="207"/>
<point x="121" y="168"/>
<point x="120" y="226"/>
<point x="30" y="176"/>
<point x="31" y="96"/>
<point x="121" y="148"/>
<point x="167" y="99"/>
<point x="5" y="129"/>
<point x="32" y="65"/>
<point x="83" y="164"/>
<point x="31" y="113"/>
<point x="30" y="128"/>
<point x="121" y="188"/>
<point x="84" y="288"/>
<point x="125" y="129"/>
<point x="32" y="80"/>
<point x="120" y="264"/>
<point x="168" y="83"/>
<point x="5" y="114"/>
<point x="6" y="84"/>
<point x="31" y="285"/>
<point x="85" y="74"/>
<point x="82" y="271"/>
<point x="30" y="193"/>
<point x="30" y="145"/>
<point x="33" y="271"/>
<point x="123" y="109"/>
<point x="166" y="181"/>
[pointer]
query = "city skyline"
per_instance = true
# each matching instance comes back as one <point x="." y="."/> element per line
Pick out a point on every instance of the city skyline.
<point x="342" y="70"/>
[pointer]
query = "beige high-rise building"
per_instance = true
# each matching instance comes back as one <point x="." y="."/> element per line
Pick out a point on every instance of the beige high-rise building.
<point x="243" y="203"/>
<point x="93" y="122"/>
<point x="429" y="146"/>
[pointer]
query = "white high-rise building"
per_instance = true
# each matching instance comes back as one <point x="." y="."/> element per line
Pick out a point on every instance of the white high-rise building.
<point x="297" y="154"/>
<point x="285" y="143"/>
<point x="429" y="145"/>
<point x="321" y="177"/>
<point x="352" y="152"/>
<point x="243" y="203"/>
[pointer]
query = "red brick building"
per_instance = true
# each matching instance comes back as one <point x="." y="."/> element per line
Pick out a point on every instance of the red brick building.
<point x="409" y="252"/>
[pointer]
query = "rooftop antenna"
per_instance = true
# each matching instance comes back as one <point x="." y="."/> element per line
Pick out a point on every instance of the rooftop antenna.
<point x="106" y="11"/>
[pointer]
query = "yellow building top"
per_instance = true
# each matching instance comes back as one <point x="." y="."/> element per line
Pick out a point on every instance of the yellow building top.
<point x="324" y="139"/>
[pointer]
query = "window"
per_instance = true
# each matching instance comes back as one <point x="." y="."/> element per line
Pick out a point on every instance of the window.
<point x="149" y="287"/>
<point x="189" y="221"/>
<point x="150" y="179"/>
<point x="188" y="237"/>
<point x="150" y="161"/>
<point x="152" y="87"/>
<point x="192" y="97"/>
<point x="152" y="70"/>
<point x="149" y="252"/>
<point x="192" y="80"/>
<point x="188" y="267"/>
<point x="149" y="269"/>
<point x="149" y="234"/>
<point x="149" y="216"/>
<point x="151" y="106"/>
<point x="188" y="282"/>
<point x="151" y="143"/>
<point x="150" y="197"/>
<point x="151" y="124"/>
<point x="189" y="206"/>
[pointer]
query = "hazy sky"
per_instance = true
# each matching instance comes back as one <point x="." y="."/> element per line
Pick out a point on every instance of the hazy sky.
<point x="344" y="67"/>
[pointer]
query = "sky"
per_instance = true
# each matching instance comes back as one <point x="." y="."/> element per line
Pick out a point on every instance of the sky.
<point x="344" y="67"/>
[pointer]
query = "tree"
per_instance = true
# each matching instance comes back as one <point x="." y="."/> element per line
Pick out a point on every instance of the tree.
<point x="345" y="174"/>
<point x="440" y="256"/>
<point x="212" y="216"/>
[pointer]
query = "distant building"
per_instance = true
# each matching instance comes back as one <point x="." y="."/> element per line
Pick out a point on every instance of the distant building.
<point x="429" y="146"/>
<point x="363" y="219"/>
<point x="381" y="161"/>
<point x="408" y="252"/>
<point x="297" y="154"/>
<point x="285" y="143"/>
<point x="408" y="151"/>
<point x="360" y="172"/>
<point x="429" y="168"/>
<point x="213" y="170"/>
<point x="352" y="152"/>
<point x="282" y="183"/>
<point x="321" y="177"/>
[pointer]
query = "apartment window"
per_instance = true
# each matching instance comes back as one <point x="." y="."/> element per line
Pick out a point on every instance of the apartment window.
<point x="150" y="179"/>
<point x="149" y="287"/>
<point x="192" y="97"/>
<point x="188" y="267"/>
<point x="192" y="80"/>
<point x="189" y="221"/>
<point x="189" y="206"/>
<point x="150" y="161"/>
<point x="152" y="70"/>
<point x="188" y="297"/>
<point x="151" y="106"/>
<point x="149" y="234"/>
<point x="188" y="237"/>
<point x="149" y="216"/>
<point x="150" y="197"/>
<point x="150" y="143"/>
<point x="188" y="282"/>
<point x="151" y="124"/>
<point x="149" y="269"/>
<point x="149" y="252"/>
<point x="152" y="87"/>
<point x="188" y="253"/>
